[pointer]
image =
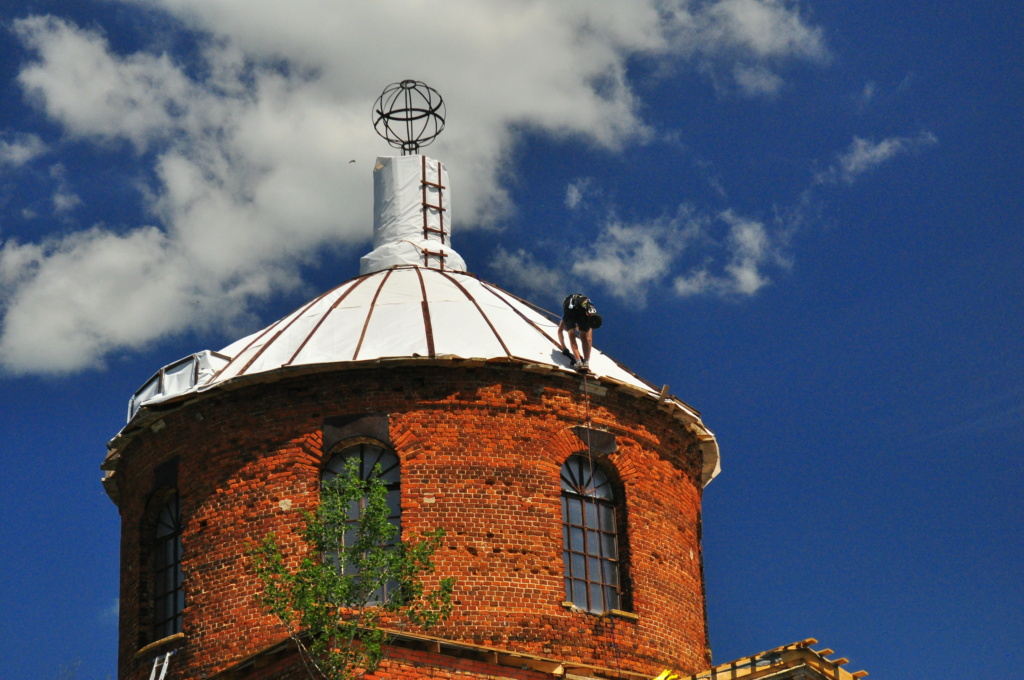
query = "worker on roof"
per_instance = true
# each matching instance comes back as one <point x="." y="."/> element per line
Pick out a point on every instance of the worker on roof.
<point x="579" y="318"/>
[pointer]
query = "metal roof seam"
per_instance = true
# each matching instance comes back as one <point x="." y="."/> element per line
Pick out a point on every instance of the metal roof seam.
<point x="356" y="282"/>
<point x="493" y="290"/>
<point x="428" y="328"/>
<point x="295" y="316"/>
<point x="369" y="314"/>
<point x="213" y="378"/>
<point x="476" y="304"/>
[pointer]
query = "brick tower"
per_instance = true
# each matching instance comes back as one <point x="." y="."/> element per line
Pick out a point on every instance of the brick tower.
<point x="572" y="504"/>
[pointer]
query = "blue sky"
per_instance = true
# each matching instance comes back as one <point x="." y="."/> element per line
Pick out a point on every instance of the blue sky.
<point x="803" y="217"/>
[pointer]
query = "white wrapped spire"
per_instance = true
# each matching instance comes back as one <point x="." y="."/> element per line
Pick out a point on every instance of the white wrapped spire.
<point x="411" y="216"/>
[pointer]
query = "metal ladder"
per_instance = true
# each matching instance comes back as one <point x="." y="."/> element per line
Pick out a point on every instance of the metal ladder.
<point x="160" y="663"/>
<point x="438" y="231"/>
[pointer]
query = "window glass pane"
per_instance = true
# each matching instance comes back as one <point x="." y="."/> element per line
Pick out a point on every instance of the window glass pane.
<point x="395" y="503"/>
<point x="594" y="565"/>
<point x="575" y="511"/>
<point x="611" y="573"/>
<point x="579" y="593"/>
<point x="577" y="539"/>
<point x="607" y="518"/>
<point x="568" y="590"/>
<point x="565" y="510"/>
<point x="591" y="515"/>
<point x="565" y="561"/>
<point x="579" y="566"/>
<point x="612" y="598"/>
<point x="593" y="546"/>
<point x="349" y="537"/>
<point x="166" y="583"/>
<point x="609" y="548"/>
<point x="601" y="489"/>
<point x="390" y="474"/>
<point x="596" y="600"/>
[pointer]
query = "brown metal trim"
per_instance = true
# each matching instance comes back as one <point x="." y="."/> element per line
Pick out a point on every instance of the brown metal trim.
<point x="268" y="343"/>
<point x="369" y="314"/>
<point x="424" y="183"/>
<point x="323" y="318"/>
<point x="540" y="330"/>
<point x="266" y="330"/>
<point x="423" y="196"/>
<point x="428" y="328"/>
<point x="479" y="309"/>
<point x="440" y="200"/>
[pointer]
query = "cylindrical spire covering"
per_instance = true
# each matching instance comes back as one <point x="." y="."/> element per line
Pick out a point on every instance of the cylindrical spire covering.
<point x="411" y="216"/>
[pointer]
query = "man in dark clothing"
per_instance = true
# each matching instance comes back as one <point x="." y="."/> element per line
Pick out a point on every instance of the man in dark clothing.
<point x="579" y="317"/>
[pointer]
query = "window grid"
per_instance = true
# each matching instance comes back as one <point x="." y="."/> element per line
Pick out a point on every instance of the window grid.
<point x="590" y="541"/>
<point x="168" y="595"/>
<point x="368" y="456"/>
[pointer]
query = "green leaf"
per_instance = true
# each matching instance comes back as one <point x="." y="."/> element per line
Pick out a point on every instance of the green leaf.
<point x="330" y="602"/>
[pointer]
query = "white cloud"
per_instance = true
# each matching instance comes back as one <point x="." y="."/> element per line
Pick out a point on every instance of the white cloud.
<point x="90" y="93"/>
<point x="71" y="301"/>
<point x="20" y="149"/>
<point x="765" y="28"/>
<point x="111" y="612"/>
<point x="249" y="144"/>
<point x="64" y="199"/>
<point x="756" y="80"/>
<point x="627" y="259"/>
<point x="525" y="273"/>
<point x="575" y="192"/>
<point x="750" y="250"/>
<point x="743" y="41"/>
<point x="866" y="96"/>
<point x="864" y="155"/>
<point x="690" y="253"/>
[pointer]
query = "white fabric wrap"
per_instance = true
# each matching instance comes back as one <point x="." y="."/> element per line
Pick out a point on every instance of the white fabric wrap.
<point x="398" y="208"/>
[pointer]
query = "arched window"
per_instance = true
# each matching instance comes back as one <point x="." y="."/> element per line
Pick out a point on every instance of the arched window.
<point x="590" y="537"/>
<point x="168" y="596"/>
<point x="367" y="456"/>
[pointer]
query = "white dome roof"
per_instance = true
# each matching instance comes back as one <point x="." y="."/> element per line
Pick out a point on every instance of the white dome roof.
<point x="405" y="312"/>
<point x="408" y="312"/>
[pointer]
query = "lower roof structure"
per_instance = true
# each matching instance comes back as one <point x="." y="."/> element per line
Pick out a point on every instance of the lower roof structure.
<point x="795" y="661"/>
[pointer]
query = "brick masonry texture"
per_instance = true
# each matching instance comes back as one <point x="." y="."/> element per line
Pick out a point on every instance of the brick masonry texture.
<point x="481" y="451"/>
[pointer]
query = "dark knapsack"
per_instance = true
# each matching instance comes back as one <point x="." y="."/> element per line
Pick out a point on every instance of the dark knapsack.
<point x="576" y="304"/>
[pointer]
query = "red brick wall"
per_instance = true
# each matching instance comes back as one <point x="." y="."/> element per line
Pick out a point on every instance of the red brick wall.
<point x="403" y="664"/>
<point x="481" y="452"/>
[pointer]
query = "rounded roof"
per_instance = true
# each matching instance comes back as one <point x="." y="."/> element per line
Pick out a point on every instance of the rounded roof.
<point x="403" y="313"/>
<point x="409" y="312"/>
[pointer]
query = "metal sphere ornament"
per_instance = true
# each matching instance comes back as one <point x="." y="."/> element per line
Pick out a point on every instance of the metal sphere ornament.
<point x="409" y="114"/>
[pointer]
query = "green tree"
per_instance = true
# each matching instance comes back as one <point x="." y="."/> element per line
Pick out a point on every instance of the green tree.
<point x="352" y="574"/>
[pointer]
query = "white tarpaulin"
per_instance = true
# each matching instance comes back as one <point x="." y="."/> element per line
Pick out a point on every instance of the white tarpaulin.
<point x="411" y="216"/>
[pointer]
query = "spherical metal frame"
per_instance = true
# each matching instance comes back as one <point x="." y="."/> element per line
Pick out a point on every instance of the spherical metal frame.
<point x="409" y="115"/>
